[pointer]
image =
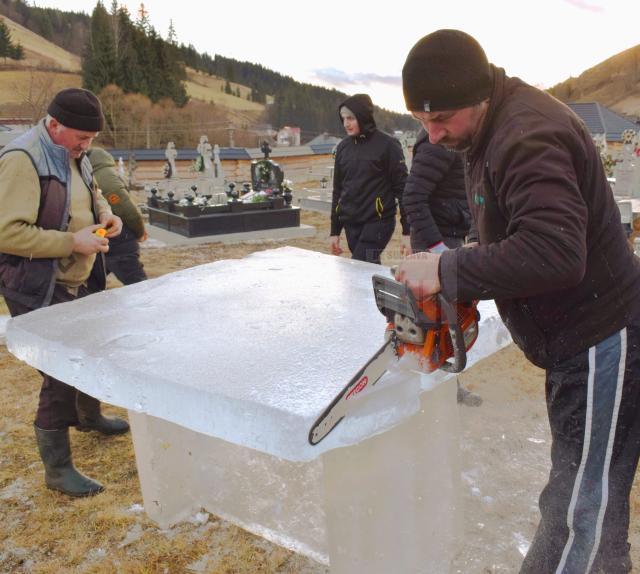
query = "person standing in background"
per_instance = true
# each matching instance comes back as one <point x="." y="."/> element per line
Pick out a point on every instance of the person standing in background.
<point x="435" y="201"/>
<point x="123" y="257"/>
<point x="368" y="180"/>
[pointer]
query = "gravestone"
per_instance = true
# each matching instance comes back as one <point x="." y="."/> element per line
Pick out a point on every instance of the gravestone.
<point x="218" y="174"/>
<point x="627" y="169"/>
<point x="171" y="154"/>
<point x="210" y="180"/>
<point x="266" y="175"/>
<point x="204" y="159"/>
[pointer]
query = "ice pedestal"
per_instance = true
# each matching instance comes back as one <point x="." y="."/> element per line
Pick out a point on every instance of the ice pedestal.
<point x="387" y="504"/>
<point x="224" y="368"/>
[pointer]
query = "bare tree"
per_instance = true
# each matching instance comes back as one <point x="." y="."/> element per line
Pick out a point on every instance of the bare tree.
<point x="36" y="94"/>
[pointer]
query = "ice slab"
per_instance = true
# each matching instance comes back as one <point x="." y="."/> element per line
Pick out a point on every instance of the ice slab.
<point x="249" y="351"/>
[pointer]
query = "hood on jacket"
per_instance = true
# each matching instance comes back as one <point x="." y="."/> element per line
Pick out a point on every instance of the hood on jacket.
<point x="362" y="107"/>
<point x="100" y="158"/>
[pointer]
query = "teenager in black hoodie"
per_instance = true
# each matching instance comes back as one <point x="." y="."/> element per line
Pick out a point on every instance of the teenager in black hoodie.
<point x="369" y="177"/>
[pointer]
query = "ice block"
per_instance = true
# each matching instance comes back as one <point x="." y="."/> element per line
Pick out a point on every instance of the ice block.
<point x="225" y="366"/>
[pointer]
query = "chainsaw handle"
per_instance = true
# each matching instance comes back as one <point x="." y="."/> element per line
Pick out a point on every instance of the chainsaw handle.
<point x="457" y="339"/>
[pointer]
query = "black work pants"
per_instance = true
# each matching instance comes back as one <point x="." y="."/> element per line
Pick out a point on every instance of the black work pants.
<point x="125" y="263"/>
<point x="367" y="242"/>
<point x="57" y="403"/>
<point x="593" y="401"/>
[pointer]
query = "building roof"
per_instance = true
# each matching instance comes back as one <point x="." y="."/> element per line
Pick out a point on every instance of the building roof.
<point x="601" y="120"/>
<point x="225" y="153"/>
<point x="324" y="139"/>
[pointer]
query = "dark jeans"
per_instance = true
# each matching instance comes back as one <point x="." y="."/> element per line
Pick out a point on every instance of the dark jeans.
<point x="125" y="264"/>
<point x="366" y="242"/>
<point x="593" y="401"/>
<point x="57" y="404"/>
<point x="453" y="242"/>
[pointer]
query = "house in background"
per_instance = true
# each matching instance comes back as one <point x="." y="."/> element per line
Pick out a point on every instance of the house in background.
<point x="288" y="136"/>
<point x="603" y="123"/>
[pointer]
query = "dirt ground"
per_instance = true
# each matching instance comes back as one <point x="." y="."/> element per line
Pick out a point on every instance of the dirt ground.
<point x="504" y="447"/>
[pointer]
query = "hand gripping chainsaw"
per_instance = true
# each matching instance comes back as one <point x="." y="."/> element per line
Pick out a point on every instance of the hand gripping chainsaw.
<point x="436" y="332"/>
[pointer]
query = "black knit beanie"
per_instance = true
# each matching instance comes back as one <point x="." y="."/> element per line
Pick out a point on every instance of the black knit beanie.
<point x="78" y="109"/>
<point x="446" y="70"/>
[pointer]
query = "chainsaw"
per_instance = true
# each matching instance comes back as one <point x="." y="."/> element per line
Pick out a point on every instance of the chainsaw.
<point x="435" y="332"/>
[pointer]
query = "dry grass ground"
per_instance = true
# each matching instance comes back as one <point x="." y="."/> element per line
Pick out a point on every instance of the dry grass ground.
<point x="43" y="532"/>
<point x="19" y="86"/>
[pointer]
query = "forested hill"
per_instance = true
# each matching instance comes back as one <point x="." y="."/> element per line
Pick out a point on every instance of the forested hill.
<point x="312" y="108"/>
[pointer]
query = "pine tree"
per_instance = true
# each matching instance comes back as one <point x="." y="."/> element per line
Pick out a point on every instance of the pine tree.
<point x="7" y="48"/>
<point x="5" y="40"/>
<point x="171" y="35"/>
<point x="115" y="26"/>
<point x="99" y="64"/>
<point x="143" y="18"/>
<point x="16" y="52"/>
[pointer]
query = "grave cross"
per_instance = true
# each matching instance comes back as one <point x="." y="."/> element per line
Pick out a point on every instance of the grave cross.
<point x="265" y="149"/>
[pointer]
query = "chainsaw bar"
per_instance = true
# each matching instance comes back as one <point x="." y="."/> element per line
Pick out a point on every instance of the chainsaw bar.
<point x="363" y="380"/>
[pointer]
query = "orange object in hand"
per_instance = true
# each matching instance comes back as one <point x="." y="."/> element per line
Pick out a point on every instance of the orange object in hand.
<point x="100" y="232"/>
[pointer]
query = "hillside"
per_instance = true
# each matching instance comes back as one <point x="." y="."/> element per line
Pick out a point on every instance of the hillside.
<point x="208" y="88"/>
<point x="614" y="83"/>
<point x="27" y="85"/>
<point x="155" y="67"/>
<point x="41" y="53"/>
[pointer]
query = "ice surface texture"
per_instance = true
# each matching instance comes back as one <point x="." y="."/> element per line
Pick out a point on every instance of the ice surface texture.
<point x="249" y="351"/>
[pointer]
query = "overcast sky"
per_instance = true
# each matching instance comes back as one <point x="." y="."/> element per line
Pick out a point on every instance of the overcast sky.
<point x="355" y="48"/>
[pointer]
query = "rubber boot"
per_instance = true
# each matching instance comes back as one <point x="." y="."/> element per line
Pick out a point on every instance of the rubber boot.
<point x="59" y="472"/>
<point x="90" y="418"/>
<point x="467" y="398"/>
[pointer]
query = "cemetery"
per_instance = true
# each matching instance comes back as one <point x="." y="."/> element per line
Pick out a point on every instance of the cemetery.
<point x="209" y="209"/>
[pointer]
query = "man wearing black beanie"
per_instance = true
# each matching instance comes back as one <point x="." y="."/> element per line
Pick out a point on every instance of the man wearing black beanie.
<point x="49" y="253"/>
<point x="553" y="254"/>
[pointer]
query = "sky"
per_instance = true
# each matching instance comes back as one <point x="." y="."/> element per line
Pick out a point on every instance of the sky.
<point x="354" y="47"/>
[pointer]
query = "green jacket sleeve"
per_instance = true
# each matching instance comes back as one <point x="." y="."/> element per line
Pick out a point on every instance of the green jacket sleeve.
<point x="115" y="192"/>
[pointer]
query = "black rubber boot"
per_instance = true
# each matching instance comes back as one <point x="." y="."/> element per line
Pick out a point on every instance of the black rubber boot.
<point x="90" y="418"/>
<point x="59" y="472"/>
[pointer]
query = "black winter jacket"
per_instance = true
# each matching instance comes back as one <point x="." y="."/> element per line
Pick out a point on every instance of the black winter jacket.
<point x="434" y="196"/>
<point x="552" y="253"/>
<point x="369" y="174"/>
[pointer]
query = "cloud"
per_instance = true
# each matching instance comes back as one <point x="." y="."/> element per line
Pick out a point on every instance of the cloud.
<point x="585" y="5"/>
<point x="339" y="78"/>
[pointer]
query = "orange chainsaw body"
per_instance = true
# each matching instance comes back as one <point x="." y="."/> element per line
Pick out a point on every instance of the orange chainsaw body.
<point x="437" y="347"/>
